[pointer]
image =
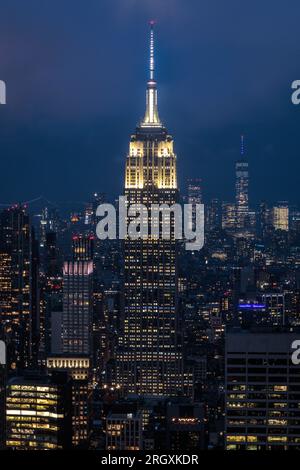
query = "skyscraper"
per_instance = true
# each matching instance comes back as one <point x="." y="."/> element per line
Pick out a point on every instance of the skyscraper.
<point x="77" y="307"/>
<point x="38" y="412"/>
<point x="2" y="390"/>
<point x="83" y="247"/>
<point x="149" y="360"/>
<point x="241" y="189"/>
<point x="280" y="216"/>
<point x="15" y="292"/>
<point x="51" y="258"/>
<point x="228" y="216"/>
<point x="213" y="216"/>
<point x="124" y="431"/>
<point x="194" y="194"/>
<point x="71" y="337"/>
<point x="262" y="390"/>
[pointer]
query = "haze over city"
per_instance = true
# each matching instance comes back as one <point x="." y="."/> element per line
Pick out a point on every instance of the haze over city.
<point x="75" y="84"/>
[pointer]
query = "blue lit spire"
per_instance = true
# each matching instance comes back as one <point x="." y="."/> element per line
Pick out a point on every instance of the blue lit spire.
<point x="242" y="145"/>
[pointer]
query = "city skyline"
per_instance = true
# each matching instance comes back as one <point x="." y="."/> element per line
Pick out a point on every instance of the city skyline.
<point x="144" y="314"/>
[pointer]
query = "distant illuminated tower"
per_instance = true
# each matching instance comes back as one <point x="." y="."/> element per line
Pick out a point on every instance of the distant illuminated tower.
<point x="241" y="189"/>
<point x="194" y="190"/>
<point x="90" y="209"/>
<point x="213" y="215"/>
<point x="149" y="360"/>
<point x="228" y="216"/>
<point x="280" y="216"/>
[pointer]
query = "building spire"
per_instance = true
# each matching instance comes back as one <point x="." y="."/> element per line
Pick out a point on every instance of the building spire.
<point x="151" y="118"/>
<point x="151" y="50"/>
<point x="242" y="146"/>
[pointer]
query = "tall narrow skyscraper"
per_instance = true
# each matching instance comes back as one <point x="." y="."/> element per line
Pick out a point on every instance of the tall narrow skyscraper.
<point x="194" y="194"/>
<point x="77" y="307"/>
<point x="149" y="360"/>
<point x="71" y="332"/>
<point x="15" y="289"/>
<point x="241" y="189"/>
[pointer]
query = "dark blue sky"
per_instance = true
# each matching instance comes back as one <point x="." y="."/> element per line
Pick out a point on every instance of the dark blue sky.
<point x="76" y="72"/>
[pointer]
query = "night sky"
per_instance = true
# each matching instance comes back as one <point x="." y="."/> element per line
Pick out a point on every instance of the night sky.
<point x="76" y="72"/>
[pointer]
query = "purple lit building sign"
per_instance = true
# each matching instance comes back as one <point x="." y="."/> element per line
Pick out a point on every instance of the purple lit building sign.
<point x="258" y="306"/>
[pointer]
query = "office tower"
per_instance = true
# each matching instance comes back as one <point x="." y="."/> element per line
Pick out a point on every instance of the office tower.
<point x="2" y="390"/>
<point x="275" y="305"/>
<point x="244" y="250"/>
<point x="91" y="208"/>
<point x="71" y="328"/>
<point x="185" y="426"/>
<point x="264" y="219"/>
<point x="49" y="222"/>
<point x="81" y="401"/>
<point x="83" y="247"/>
<point x="252" y="221"/>
<point x="228" y="216"/>
<point x="194" y="196"/>
<point x="38" y="412"/>
<point x="2" y="405"/>
<point x="241" y="189"/>
<point x="15" y="302"/>
<point x="37" y="327"/>
<point x="213" y="215"/>
<point x="295" y="221"/>
<point x="262" y="391"/>
<point x="71" y="341"/>
<point x="280" y="216"/>
<point x="124" y="431"/>
<point x="292" y="307"/>
<point x="52" y="314"/>
<point x="88" y="214"/>
<point x="78" y="368"/>
<point x="247" y="280"/>
<point x="149" y="360"/>
<point x="91" y="221"/>
<point x="77" y="307"/>
<point x="52" y="258"/>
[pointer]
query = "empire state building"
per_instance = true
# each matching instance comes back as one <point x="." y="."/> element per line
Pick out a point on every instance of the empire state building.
<point x="149" y="357"/>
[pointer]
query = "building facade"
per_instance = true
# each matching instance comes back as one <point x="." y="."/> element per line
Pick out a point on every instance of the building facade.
<point x="194" y="196"/>
<point x="71" y="342"/>
<point x="15" y="292"/>
<point x="124" y="431"/>
<point x="77" y="307"/>
<point x="262" y="391"/>
<point x="280" y="216"/>
<point x="38" y="412"/>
